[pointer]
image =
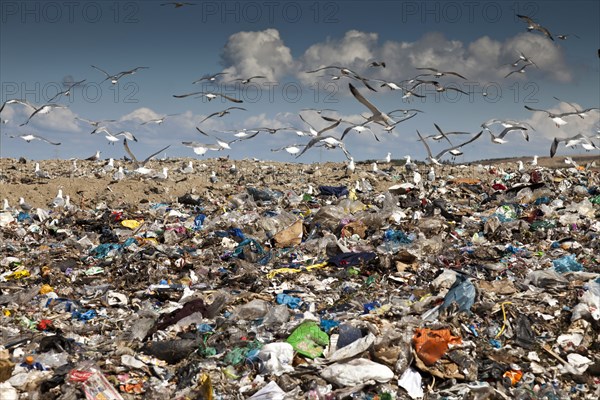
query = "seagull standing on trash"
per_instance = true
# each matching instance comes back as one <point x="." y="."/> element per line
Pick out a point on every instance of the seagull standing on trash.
<point x="350" y="167"/>
<point x="6" y="206"/>
<point x="189" y="169"/>
<point x="58" y="201"/>
<point x="24" y="206"/>
<point x="39" y="173"/>
<point x="109" y="166"/>
<point x="431" y="174"/>
<point x="534" y="162"/>
<point x="119" y="175"/>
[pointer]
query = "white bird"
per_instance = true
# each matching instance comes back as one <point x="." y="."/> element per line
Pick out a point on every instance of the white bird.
<point x="213" y="177"/>
<point x="95" y="124"/>
<point x="58" y="201"/>
<point x="44" y="109"/>
<point x="119" y="174"/>
<point x="16" y="101"/>
<point x="350" y="167"/>
<point x="290" y="149"/>
<point x="109" y="166"/>
<point x="189" y="169"/>
<point x="29" y="137"/>
<point x="201" y="148"/>
<point x="145" y="161"/>
<point x="388" y="158"/>
<point x="24" y="206"/>
<point x="521" y="167"/>
<point x="408" y="165"/>
<point x="95" y="157"/>
<point x="500" y="137"/>
<point x="417" y="178"/>
<point x="572" y="142"/>
<point x="378" y="116"/>
<point x="556" y="118"/>
<point x="113" y="138"/>
<point x="74" y="167"/>
<point x="377" y="171"/>
<point x="431" y="174"/>
<point x="435" y="160"/>
<point x="162" y="175"/>
<point x="209" y="96"/>
<point x="210" y="78"/>
<point x="245" y="81"/>
<point x="39" y="173"/>
<point x="157" y="121"/>
<point x="534" y="162"/>
<point x="6" y="206"/>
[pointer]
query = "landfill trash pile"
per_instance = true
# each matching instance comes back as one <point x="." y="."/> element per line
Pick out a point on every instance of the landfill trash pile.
<point x="290" y="281"/>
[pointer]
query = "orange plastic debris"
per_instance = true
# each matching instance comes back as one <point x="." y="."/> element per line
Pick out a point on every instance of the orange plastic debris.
<point x="514" y="376"/>
<point x="431" y="345"/>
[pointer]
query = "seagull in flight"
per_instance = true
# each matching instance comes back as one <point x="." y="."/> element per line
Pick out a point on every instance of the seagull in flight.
<point x="141" y="163"/>
<point x="520" y="70"/>
<point x="291" y="149"/>
<point x="557" y="118"/>
<point x="29" y="137"/>
<point x="524" y="58"/>
<point x="115" y="78"/>
<point x="45" y="109"/>
<point x="245" y="81"/>
<point x="95" y="124"/>
<point x="16" y="101"/>
<point x="435" y="160"/>
<point x="377" y="64"/>
<point x="178" y="4"/>
<point x="326" y="139"/>
<point x="210" y="78"/>
<point x="438" y="86"/>
<point x="578" y="112"/>
<point x="378" y="116"/>
<point x="356" y="127"/>
<point x="564" y="37"/>
<point x="222" y="113"/>
<point x="346" y="72"/>
<point x="437" y="73"/>
<point x="499" y="139"/>
<point x="534" y="26"/>
<point x="113" y="138"/>
<point x="67" y="91"/>
<point x="579" y="139"/>
<point x="158" y="121"/>
<point x="209" y="95"/>
<point x="201" y="148"/>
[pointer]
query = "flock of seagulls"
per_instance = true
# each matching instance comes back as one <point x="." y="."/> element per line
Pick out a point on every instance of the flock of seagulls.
<point x="374" y="117"/>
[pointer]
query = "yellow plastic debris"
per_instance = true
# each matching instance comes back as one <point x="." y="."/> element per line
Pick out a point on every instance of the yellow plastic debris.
<point x="23" y="273"/>
<point x="46" y="289"/>
<point x="131" y="223"/>
<point x="278" y="271"/>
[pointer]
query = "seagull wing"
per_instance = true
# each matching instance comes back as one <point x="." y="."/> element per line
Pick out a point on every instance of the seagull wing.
<point x="128" y="150"/>
<point x="455" y="74"/>
<point x="327" y="128"/>
<point x="553" y="147"/>
<point x="230" y="98"/>
<point x="426" y="145"/>
<point x="441" y="153"/>
<point x="154" y="154"/>
<point x="46" y="140"/>
<point x="180" y="96"/>
<point x="536" y="109"/>
<point x="103" y="71"/>
<point x="514" y="128"/>
<point x="209" y="116"/>
<point x="362" y="100"/>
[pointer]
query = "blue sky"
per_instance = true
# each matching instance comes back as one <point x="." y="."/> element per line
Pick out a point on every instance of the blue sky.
<point x="42" y="43"/>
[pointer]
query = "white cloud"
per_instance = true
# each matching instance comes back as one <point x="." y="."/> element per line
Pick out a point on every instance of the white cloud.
<point x="257" y="53"/>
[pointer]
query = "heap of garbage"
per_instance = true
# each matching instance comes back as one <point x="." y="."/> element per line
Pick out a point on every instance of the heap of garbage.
<point x="475" y="284"/>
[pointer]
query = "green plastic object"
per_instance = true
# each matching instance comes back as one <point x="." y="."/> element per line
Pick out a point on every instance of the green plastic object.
<point x="308" y="339"/>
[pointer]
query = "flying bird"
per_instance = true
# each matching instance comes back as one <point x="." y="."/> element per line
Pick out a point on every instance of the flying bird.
<point x="29" y="137"/>
<point x="178" y="4"/>
<point x="158" y="121"/>
<point x="95" y="124"/>
<point x="346" y="72"/>
<point x="210" y="78"/>
<point x="222" y="113"/>
<point x="534" y="26"/>
<point x="378" y="116"/>
<point x="435" y="160"/>
<point x="115" y="78"/>
<point x="141" y="163"/>
<point x="201" y="148"/>
<point x="16" y="101"/>
<point x="45" y="109"/>
<point x="579" y="139"/>
<point x="377" y="64"/>
<point x="437" y="73"/>
<point x="564" y="37"/>
<point x="556" y="118"/>
<point x="245" y="81"/>
<point x="210" y="96"/>
<point x="520" y="70"/>
<point x="438" y="86"/>
<point x="67" y="91"/>
<point x="499" y="139"/>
